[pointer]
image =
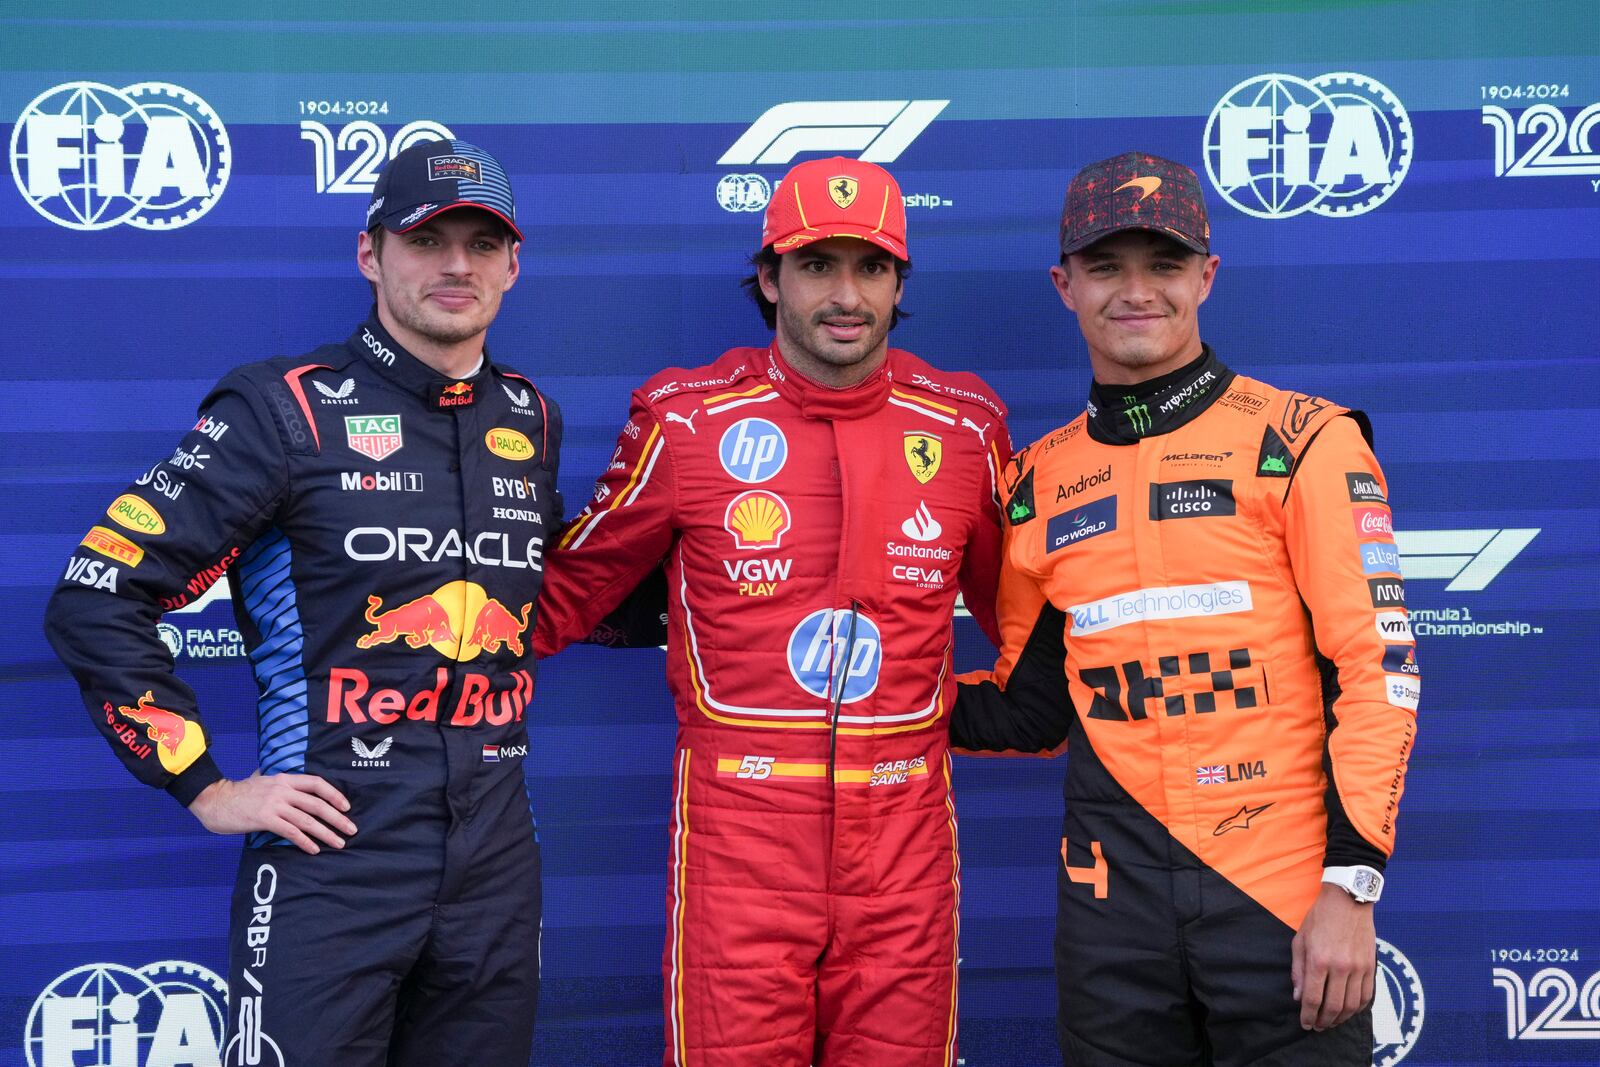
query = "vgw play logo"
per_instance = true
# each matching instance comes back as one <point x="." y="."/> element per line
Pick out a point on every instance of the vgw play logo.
<point x="89" y="156"/>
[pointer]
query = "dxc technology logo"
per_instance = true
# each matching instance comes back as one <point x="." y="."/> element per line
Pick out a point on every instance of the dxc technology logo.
<point x="1334" y="145"/>
<point x="874" y="130"/>
<point x="89" y="156"/>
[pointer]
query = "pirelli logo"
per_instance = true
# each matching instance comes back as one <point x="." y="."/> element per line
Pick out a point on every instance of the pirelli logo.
<point x="112" y="545"/>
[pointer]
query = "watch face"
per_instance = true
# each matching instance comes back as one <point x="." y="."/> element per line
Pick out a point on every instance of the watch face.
<point x="1367" y="883"/>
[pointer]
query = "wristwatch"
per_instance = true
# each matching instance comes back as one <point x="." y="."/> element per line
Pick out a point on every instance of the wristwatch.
<point x="1364" y="884"/>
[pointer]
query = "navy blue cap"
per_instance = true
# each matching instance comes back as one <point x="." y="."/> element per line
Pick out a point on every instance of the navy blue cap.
<point x="433" y="177"/>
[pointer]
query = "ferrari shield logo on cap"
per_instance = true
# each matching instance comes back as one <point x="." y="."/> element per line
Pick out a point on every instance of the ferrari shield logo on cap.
<point x="843" y="190"/>
<point x="924" y="452"/>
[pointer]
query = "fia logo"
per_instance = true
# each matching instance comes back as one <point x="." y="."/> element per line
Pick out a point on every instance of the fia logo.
<point x="1335" y="145"/>
<point x="89" y="156"/>
<point x="158" y="1015"/>
<point x="1397" y="1007"/>
<point x="370" y="146"/>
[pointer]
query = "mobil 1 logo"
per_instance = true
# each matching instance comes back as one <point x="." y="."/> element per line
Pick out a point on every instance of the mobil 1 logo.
<point x="1201" y="498"/>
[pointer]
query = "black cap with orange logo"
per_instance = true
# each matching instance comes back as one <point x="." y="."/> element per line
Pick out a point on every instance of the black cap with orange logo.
<point x="836" y="197"/>
<point x="1135" y="191"/>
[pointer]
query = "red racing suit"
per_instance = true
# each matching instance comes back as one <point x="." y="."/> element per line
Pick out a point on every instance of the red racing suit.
<point x="814" y="541"/>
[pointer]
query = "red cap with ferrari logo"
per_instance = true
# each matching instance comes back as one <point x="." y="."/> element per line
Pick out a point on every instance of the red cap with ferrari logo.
<point x="836" y="197"/>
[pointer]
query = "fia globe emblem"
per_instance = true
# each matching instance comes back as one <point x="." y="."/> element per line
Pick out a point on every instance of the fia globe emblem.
<point x="108" y="1015"/>
<point x="89" y="156"/>
<point x="1334" y="145"/>
<point x="1397" y="1007"/>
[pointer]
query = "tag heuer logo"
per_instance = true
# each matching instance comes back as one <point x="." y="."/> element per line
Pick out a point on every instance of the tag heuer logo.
<point x="374" y="436"/>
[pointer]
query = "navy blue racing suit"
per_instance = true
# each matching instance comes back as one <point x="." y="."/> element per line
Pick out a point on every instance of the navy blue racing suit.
<point x="383" y="528"/>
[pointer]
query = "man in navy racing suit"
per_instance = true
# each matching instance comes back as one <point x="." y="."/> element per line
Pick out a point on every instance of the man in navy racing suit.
<point x="381" y="506"/>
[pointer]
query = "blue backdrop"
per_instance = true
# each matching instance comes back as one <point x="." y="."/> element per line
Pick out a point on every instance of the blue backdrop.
<point x="1406" y="200"/>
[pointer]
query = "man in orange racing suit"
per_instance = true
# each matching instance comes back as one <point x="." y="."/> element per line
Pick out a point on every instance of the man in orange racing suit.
<point x="1201" y="596"/>
<point x="817" y="502"/>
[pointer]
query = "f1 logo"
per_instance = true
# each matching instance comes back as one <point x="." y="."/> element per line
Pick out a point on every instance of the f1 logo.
<point x="879" y="130"/>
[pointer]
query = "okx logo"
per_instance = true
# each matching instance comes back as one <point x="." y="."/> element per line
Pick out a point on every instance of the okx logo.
<point x="108" y="1015"/>
<point x="1334" y="145"/>
<point x="874" y="130"/>
<point x="89" y="156"/>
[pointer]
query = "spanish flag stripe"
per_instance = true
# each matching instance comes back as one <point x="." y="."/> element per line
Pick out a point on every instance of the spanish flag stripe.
<point x="925" y="402"/>
<point x="730" y="396"/>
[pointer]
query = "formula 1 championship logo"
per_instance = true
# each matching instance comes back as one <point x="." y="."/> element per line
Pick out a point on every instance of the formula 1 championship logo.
<point x="1334" y="145"/>
<point x="107" y="1015"/>
<point x="89" y="156"/>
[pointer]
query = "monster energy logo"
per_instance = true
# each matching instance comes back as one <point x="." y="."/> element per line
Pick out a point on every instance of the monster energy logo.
<point x="1138" y="415"/>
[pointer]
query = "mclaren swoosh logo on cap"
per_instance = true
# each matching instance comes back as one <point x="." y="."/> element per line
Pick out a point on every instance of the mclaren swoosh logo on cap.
<point x="1149" y="185"/>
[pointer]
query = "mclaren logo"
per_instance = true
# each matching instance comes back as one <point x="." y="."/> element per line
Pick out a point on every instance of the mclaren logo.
<point x="1146" y="186"/>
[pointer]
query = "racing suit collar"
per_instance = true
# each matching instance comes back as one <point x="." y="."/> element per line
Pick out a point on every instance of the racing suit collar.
<point x="378" y="348"/>
<point x="817" y="401"/>
<point x="1124" y="414"/>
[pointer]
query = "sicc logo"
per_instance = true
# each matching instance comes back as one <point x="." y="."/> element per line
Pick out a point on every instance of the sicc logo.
<point x="160" y="1015"/>
<point x="1336" y="145"/>
<point x="89" y="156"/>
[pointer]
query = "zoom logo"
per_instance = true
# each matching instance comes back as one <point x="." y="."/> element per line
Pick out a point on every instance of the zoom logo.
<point x="89" y="156"/>
<point x="1335" y="145"/>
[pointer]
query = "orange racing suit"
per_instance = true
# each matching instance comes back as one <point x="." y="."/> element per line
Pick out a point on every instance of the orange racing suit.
<point x="1201" y="591"/>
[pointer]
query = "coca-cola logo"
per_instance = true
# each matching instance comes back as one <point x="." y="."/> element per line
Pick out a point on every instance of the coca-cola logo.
<point x="1374" y="522"/>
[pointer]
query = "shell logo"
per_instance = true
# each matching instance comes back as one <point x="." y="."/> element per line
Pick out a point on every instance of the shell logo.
<point x="757" y="520"/>
<point x="508" y="444"/>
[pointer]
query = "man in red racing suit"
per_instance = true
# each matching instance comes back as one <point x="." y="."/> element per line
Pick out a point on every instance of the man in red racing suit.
<point x="817" y="502"/>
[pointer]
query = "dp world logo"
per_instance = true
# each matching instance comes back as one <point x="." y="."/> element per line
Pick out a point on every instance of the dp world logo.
<point x="89" y="156"/>
<point x="107" y="1015"/>
<point x="1334" y="145"/>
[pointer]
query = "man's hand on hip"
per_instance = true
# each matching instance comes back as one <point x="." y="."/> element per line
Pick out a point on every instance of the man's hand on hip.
<point x="301" y="808"/>
<point x="1335" y="959"/>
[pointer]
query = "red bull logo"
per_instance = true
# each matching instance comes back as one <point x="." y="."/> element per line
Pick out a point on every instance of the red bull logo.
<point x="482" y="699"/>
<point x="455" y="395"/>
<point x="165" y="728"/>
<point x="422" y="621"/>
<point x="495" y="626"/>
<point x="178" y="742"/>
<point x="458" y="619"/>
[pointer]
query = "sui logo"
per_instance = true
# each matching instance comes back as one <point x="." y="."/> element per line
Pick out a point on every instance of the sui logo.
<point x="89" y="156"/>
<point x="833" y="653"/>
<point x="753" y="450"/>
<point x="161" y="1015"/>
<point x="1334" y="145"/>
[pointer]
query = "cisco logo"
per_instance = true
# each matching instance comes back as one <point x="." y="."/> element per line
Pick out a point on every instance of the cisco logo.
<point x="1334" y="145"/>
<point x="89" y="156"/>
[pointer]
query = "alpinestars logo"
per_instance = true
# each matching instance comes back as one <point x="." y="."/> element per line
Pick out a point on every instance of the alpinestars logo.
<point x="874" y="130"/>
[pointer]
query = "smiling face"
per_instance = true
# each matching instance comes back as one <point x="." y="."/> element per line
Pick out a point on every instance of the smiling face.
<point x="1136" y="295"/>
<point x="835" y="300"/>
<point x="439" y="285"/>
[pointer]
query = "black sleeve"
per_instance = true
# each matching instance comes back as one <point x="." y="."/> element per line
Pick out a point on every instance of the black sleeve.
<point x="173" y="533"/>
<point x="1031" y="711"/>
